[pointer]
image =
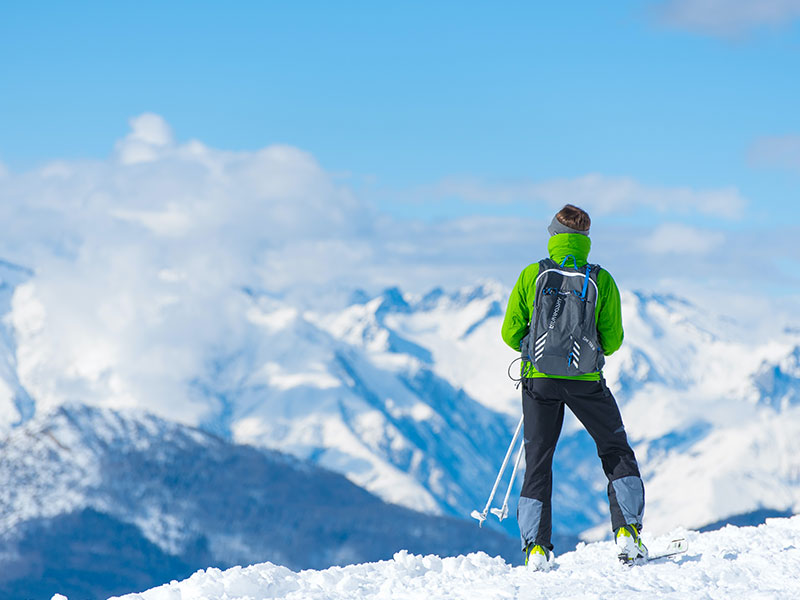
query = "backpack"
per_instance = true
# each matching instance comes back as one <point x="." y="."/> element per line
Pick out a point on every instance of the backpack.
<point x="562" y="336"/>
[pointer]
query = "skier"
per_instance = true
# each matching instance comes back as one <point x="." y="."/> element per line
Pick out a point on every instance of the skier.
<point x="563" y="334"/>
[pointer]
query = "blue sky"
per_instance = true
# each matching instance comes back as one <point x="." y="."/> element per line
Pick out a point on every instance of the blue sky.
<point x="441" y="135"/>
<point x="399" y="96"/>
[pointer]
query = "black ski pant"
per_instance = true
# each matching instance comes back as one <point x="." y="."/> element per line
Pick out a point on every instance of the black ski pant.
<point x="543" y="401"/>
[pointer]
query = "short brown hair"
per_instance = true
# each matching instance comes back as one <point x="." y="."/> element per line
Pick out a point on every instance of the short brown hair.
<point x="574" y="218"/>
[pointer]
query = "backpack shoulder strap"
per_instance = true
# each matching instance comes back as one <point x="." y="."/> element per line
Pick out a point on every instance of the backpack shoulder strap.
<point x="591" y="271"/>
<point x="546" y="264"/>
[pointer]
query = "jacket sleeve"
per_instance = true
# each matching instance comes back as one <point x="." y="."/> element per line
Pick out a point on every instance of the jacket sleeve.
<point x="518" y="313"/>
<point x="609" y="318"/>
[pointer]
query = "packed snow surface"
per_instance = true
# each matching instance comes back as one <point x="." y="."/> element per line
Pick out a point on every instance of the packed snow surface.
<point x="734" y="562"/>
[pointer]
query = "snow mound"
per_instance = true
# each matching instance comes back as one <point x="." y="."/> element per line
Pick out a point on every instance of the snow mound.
<point x="734" y="562"/>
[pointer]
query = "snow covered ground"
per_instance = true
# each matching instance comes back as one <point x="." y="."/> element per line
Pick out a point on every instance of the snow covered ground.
<point x="734" y="562"/>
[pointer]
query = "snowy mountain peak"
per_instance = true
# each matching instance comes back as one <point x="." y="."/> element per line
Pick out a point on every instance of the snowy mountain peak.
<point x="778" y="383"/>
<point x="392" y="300"/>
<point x="430" y="298"/>
<point x="73" y="427"/>
<point x="667" y="314"/>
<point x="487" y="289"/>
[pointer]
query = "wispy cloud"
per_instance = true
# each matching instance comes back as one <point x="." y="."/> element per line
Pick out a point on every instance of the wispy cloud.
<point x="777" y="151"/>
<point x="726" y="18"/>
<point x="596" y="193"/>
<point x="675" y="238"/>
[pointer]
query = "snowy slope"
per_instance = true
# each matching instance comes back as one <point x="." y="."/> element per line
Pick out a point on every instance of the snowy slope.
<point x="732" y="563"/>
<point x="189" y="499"/>
<point x="713" y="412"/>
<point x="385" y="419"/>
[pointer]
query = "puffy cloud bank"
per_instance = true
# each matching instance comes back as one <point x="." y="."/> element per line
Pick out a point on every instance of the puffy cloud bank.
<point x="140" y="260"/>
<point x="144" y="262"/>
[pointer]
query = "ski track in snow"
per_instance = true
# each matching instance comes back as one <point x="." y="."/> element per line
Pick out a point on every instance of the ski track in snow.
<point x="747" y="562"/>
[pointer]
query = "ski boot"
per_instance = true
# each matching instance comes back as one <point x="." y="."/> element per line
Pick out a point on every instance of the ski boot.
<point x="538" y="558"/>
<point x="629" y="544"/>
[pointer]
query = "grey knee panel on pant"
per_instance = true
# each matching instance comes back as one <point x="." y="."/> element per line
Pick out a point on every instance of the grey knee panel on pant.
<point x="529" y="517"/>
<point x="626" y="496"/>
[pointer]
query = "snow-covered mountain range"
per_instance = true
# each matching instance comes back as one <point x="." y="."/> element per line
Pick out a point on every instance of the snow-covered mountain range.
<point x="95" y="502"/>
<point x="712" y="409"/>
<point x="408" y="397"/>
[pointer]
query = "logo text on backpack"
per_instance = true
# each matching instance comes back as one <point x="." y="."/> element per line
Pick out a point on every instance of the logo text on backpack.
<point x="589" y="342"/>
<point x="556" y="310"/>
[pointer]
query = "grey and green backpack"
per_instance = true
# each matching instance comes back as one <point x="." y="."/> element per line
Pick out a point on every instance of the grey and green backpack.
<point x="562" y="337"/>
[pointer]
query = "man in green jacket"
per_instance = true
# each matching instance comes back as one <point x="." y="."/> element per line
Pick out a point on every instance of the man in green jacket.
<point x="545" y="395"/>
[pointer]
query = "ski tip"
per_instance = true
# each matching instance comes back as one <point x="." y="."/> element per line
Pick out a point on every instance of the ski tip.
<point x="673" y="548"/>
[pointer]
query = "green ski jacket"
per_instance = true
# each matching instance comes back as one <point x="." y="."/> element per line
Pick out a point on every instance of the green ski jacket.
<point x="608" y="311"/>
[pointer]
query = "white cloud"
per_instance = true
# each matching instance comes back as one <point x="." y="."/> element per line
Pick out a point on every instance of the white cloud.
<point x="727" y="18"/>
<point x="674" y="238"/>
<point x="171" y="221"/>
<point x="140" y="263"/>
<point x="148" y="137"/>
<point x="598" y="194"/>
<point x="777" y="151"/>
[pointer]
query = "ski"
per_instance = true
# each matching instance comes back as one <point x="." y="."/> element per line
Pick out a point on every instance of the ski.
<point x="675" y="547"/>
<point x="678" y="546"/>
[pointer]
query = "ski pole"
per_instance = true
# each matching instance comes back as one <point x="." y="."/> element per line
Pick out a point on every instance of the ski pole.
<point x="481" y="516"/>
<point x="502" y="513"/>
